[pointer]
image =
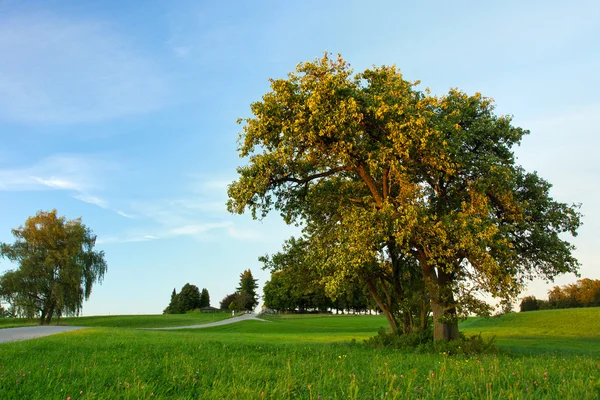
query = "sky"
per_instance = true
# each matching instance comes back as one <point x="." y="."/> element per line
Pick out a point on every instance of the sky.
<point x="124" y="114"/>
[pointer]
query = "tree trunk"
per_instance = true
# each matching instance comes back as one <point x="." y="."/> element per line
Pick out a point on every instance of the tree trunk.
<point x="423" y="315"/>
<point x="408" y="322"/>
<point x="438" y="283"/>
<point x="447" y="328"/>
<point x="389" y="315"/>
<point x="49" y="315"/>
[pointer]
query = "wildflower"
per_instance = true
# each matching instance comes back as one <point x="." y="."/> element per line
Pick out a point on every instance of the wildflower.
<point x="262" y="394"/>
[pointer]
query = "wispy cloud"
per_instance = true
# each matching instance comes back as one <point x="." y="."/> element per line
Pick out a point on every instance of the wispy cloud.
<point x="61" y="70"/>
<point x="92" y="200"/>
<point x="126" y="215"/>
<point x="60" y="172"/>
<point x="196" y="229"/>
<point x="78" y="174"/>
<point x="244" y="234"/>
<point x="200" y="213"/>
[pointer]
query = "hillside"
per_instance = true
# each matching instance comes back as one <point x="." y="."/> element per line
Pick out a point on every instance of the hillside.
<point x="573" y="329"/>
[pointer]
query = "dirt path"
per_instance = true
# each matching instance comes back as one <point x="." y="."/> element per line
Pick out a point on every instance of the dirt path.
<point x="30" y="332"/>
<point x="245" y="317"/>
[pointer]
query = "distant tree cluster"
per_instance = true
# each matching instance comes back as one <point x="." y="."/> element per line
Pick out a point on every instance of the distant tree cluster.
<point x="189" y="298"/>
<point x="245" y="296"/>
<point x="584" y="293"/>
<point x="290" y="292"/>
<point x="296" y="286"/>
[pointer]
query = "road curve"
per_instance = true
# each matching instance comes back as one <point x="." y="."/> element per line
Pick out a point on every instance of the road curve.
<point x="244" y="317"/>
<point x="31" y="332"/>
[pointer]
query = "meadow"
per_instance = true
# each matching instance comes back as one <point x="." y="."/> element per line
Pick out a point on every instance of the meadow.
<point x="126" y="321"/>
<point x="545" y="355"/>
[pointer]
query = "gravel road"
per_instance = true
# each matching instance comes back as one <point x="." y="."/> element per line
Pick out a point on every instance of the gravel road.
<point x="30" y="332"/>
<point x="244" y="317"/>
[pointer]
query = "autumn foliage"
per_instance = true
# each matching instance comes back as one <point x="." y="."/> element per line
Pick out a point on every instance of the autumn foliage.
<point x="584" y="293"/>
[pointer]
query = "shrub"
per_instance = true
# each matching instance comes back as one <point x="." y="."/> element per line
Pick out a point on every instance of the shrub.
<point x="529" y="303"/>
<point x="422" y="342"/>
<point x="465" y="345"/>
<point x="386" y="339"/>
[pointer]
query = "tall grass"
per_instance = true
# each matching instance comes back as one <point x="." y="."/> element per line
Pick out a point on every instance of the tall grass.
<point x="126" y="321"/>
<point x="287" y="358"/>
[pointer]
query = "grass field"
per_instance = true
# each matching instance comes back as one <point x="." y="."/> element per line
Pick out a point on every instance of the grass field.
<point x="305" y="357"/>
<point x="127" y="321"/>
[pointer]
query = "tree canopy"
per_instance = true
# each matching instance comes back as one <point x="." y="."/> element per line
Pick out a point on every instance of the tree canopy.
<point x="57" y="267"/>
<point x="391" y="183"/>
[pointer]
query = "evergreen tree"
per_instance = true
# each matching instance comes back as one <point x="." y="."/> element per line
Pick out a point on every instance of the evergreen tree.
<point x="173" y="307"/>
<point x="204" y="298"/>
<point x="247" y="290"/>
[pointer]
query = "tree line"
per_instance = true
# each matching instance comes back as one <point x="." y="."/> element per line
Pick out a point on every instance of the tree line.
<point x="584" y="293"/>
<point x="285" y="293"/>
<point x="188" y="299"/>
<point x="416" y="197"/>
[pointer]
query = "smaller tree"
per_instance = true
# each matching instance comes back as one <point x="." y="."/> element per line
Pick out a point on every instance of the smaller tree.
<point x="239" y="301"/>
<point x="227" y="300"/>
<point x="204" y="298"/>
<point x="173" y="307"/>
<point x="247" y="289"/>
<point x="529" y="303"/>
<point x="57" y="267"/>
<point x="188" y="298"/>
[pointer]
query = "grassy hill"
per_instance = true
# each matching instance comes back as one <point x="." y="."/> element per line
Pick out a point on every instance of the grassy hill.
<point x="308" y="357"/>
<point x="127" y="321"/>
<point x="574" y="330"/>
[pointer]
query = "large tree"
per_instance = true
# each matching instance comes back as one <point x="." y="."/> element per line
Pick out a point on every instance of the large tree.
<point x="393" y="182"/>
<point x="57" y="266"/>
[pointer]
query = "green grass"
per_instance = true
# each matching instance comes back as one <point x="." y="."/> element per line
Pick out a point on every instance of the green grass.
<point x="574" y="330"/>
<point x="127" y="321"/>
<point x="291" y="357"/>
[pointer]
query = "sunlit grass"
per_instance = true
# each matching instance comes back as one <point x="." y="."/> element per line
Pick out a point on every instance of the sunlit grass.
<point x="126" y="321"/>
<point x="303" y="357"/>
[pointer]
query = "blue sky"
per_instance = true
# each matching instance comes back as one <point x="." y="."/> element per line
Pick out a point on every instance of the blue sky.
<point x="123" y="113"/>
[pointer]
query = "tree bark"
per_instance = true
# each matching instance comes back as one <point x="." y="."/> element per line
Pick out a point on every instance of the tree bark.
<point x="445" y="324"/>
<point x="389" y="315"/>
<point x="443" y="307"/>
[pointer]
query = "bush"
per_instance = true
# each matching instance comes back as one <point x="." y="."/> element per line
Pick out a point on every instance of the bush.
<point x="529" y="303"/>
<point x="385" y="339"/>
<point x="465" y="345"/>
<point x="422" y="342"/>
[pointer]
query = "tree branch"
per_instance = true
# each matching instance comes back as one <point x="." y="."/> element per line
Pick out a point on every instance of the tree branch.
<point x="362" y="172"/>
<point x="309" y="178"/>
